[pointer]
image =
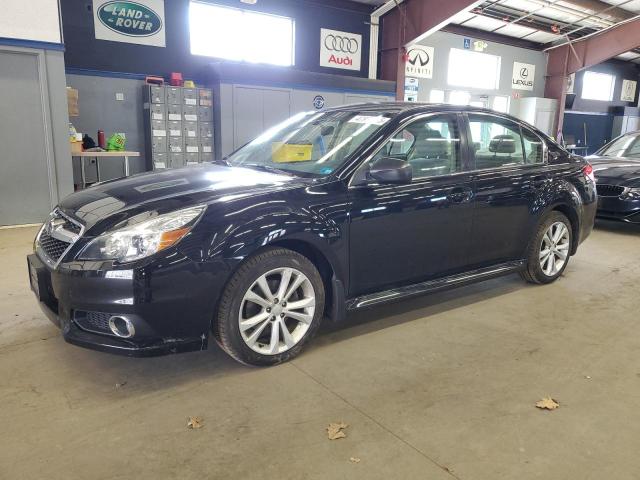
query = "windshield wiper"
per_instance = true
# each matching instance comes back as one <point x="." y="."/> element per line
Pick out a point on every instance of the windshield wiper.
<point x="267" y="168"/>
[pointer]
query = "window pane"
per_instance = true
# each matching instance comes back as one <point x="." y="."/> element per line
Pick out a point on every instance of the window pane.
<point x="533" y="147"/>
<point x="496" y="142"/>
<point x="432" y="147"/>
<point x="598" y="86"/>
<point x="473" y="69"/>
<point x="459" y="98"/>
<point x="240" y="35"/>
<point x="436" y="96"/>
<point x="501" y="104"/>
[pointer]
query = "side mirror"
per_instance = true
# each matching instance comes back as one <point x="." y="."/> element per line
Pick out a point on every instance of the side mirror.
<point x="391" y="170"/>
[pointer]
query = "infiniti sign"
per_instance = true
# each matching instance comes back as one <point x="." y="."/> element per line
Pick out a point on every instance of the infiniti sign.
<point x="419" y="62"/>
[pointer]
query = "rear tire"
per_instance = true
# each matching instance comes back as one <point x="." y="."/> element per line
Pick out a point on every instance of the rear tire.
<point x="271" y="308"/>
<point x="549" y="252"/>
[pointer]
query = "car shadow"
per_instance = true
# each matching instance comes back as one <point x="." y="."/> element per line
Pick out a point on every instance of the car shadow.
<point x="617" y="227"/>
<point x="403" y="311"/>
<point x="109" y="373"/>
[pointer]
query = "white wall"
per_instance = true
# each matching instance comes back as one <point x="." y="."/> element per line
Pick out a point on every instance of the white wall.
<point x="37" y="20"/>
<point x="443" y="42"/>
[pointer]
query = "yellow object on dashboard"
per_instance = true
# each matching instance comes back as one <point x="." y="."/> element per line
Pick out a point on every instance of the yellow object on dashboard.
<point x="290" y="152"/>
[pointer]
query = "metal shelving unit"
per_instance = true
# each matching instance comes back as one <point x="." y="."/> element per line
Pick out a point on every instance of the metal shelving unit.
<point x="178" y="126"/>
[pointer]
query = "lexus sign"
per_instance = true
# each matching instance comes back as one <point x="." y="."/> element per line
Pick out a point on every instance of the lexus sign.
<point x="523" y="76"/>
<point x="340" y="49"/>
<point x="419" y="62"/>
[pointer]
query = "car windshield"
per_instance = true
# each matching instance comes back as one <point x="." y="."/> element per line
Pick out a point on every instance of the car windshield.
<point x="627" y="146"/>
<point x="310" y="144"/>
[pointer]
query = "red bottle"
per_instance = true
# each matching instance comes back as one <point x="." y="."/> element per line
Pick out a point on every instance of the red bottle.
<point x="101" y="142"/>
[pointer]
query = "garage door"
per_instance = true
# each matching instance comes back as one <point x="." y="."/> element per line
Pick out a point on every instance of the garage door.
<point x="24" y="183"/>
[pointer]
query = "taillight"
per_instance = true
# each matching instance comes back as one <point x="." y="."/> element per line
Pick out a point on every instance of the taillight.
<point x="588" y="172"/>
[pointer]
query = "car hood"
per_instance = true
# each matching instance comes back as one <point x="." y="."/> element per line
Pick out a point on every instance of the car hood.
<point x="616" y="171"/>
<point x="191" y="185"/>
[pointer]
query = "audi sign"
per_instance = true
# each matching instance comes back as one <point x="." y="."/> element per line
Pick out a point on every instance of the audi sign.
<point x="340" y="49"/>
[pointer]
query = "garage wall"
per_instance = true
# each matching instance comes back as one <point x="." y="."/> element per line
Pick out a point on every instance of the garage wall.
<point x="443" y="42"/>
<point x="621" y="70"/>
<point x="84" y="51"/>
<point x="99" y="110"/>
<point x="19" y="21"/>
<point x="245" y="111"/>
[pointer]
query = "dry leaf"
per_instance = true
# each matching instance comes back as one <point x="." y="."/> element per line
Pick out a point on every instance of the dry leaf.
<point x="354" y="460"/>
<point x="336" y="430"/>
<point x="547" y="403"/>
<point x="195" y="422"/>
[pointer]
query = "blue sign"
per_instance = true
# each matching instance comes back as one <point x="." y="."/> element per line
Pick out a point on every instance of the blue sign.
<point x="318" y="102"/>
<point x="467" y="43"/>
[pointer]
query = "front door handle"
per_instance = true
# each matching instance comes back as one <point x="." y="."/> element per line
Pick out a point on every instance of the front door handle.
<point x="460" y="195"/>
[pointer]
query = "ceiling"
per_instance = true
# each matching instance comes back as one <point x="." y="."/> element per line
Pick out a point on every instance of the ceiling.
<point x="546" y="22"/>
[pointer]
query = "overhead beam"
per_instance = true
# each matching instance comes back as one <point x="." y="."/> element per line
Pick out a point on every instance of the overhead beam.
<point x="409" y="23"/>
<point x="571" y="57"/>
<point x="606" y="9"/>
<point x="594" y="49"/>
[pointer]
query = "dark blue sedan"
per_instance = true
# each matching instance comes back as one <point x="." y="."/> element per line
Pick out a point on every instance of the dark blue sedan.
<point x="325" y="213"/>
<point x="617" y="167"/>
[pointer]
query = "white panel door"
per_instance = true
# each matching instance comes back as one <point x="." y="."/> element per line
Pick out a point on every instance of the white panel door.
<point x="247" y="115"/>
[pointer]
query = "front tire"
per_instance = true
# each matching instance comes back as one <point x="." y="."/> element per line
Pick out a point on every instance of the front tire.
<point x="550" y="250"/>
<point x="271" y="308"/>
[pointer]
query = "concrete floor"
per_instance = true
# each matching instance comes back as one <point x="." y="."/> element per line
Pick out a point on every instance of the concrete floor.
<point x="441" y="387"/>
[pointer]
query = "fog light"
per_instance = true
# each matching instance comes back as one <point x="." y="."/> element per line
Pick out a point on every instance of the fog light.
<point x="122" y="327"/>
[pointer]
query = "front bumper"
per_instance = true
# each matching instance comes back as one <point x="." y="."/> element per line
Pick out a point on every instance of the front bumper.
<point x="617" y="208"/>
<point x="171" y="306"/>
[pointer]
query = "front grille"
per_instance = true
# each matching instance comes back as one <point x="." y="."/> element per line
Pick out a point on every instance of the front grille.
<point x="52" y="247"/>
<point x="57" y="236"/>
<point x="609" y="190"/>
<point x="96" y="322"/>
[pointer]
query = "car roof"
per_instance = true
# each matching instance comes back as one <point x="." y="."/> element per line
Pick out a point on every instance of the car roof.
<point x="410" y="107"/>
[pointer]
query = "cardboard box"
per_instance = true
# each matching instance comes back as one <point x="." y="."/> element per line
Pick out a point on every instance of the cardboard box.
<point x="72" y="102"/>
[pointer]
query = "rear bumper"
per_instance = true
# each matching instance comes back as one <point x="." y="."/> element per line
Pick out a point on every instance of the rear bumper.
<point x="171" y="308"/>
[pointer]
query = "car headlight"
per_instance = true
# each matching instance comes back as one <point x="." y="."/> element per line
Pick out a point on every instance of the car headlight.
<point x="143" y="239"/>
<point x="631" y="193"/>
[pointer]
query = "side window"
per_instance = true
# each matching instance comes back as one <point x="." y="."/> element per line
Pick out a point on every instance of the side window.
<point x="496" y="142"/>
<point x="533" y="147"/>
<point x="431" y="145"/>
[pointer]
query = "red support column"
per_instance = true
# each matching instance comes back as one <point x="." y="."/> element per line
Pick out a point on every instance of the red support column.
<point x="587" y="52"/>
<point x="408" y="23"/>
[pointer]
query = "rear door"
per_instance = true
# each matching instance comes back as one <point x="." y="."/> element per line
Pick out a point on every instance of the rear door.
<point x="509" y="175"/>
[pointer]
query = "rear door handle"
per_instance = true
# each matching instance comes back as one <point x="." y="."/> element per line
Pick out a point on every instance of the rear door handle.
<point x="460" y="195"/>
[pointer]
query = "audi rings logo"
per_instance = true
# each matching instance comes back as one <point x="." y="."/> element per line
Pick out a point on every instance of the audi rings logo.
<point x="340" y="44"/>
<point x="340" y="49"/>
<point x="418" y="58"/>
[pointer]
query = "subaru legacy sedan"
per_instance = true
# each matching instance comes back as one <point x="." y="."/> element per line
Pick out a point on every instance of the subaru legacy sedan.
<point x="326" y="213"/>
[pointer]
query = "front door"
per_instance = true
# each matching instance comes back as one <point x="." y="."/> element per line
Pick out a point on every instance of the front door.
<point x="509" y="174"/>
<point x="403" y="234"/>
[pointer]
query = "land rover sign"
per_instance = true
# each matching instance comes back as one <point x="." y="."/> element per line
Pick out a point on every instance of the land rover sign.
<point x="139" y="22"/>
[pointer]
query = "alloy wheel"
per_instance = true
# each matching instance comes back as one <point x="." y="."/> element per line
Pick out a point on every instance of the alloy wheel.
<point x="276" y="311"/>
<point x="554" y="249"/>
